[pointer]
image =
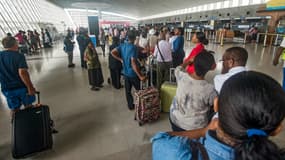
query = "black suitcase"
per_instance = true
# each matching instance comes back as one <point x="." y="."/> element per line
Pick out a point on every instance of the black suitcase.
<point x="31" y="131"/>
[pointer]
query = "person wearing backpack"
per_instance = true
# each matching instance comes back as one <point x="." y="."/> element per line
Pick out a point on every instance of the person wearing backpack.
<point x="251" y="109"/>
<point x="68" y="48"/>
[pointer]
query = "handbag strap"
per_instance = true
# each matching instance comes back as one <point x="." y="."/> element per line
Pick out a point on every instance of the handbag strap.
<point x="160" y="52"/>
<point x="196" y="147"/>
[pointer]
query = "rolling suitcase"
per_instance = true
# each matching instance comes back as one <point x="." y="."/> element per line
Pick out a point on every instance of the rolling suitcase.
<point x="147" y="104"/>
<point x="167" y="92"/>
<point x="31" y="131"/>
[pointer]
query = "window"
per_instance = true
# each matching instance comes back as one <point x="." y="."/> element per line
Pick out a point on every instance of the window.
<point x="226" y="4"/>
<point x="199" y="8"/>
<point x="218" y="5"/>
<point x="244" y="2"/>
<point x="189" y="10"/>
<point x="256" y="2"/>
<point x="235" y="3"/>
<point x="211" y="6"/>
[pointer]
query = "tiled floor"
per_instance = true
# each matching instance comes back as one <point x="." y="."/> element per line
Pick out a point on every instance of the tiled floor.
<point x="98" y="125"/>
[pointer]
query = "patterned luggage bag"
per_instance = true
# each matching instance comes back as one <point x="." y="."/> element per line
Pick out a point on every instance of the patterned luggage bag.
<point x="147" y="104"/>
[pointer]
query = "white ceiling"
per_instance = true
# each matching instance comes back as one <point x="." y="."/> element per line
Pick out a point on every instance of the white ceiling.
<point x="133" y="8"/>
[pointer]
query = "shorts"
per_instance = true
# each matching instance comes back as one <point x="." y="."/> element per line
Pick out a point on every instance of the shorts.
<point x="18" y="97"/>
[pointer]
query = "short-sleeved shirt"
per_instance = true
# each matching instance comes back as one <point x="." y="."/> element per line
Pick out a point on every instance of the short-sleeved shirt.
<point x="10" y="63"/>
<point x="192" y="102"/>
<point x="127" y="52"/>
<point x="195" y="51"/>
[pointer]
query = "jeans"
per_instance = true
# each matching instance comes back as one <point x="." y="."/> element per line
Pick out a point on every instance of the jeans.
<point x="129" y="83"/>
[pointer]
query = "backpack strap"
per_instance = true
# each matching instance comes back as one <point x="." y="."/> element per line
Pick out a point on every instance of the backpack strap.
<point x="195" y="148"/>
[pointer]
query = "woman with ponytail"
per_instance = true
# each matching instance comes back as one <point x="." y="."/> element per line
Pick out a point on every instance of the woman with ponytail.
<point x="251" y="108"/>
<point x="200" y="40"/>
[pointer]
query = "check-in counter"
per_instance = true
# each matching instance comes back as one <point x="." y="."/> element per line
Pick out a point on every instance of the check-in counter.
<point x="269" y="38"/>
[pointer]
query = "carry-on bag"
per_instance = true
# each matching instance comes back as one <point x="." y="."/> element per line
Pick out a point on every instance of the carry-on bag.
<point x="31" y="130"/>
<point x="167" y="92"/>
<point x="147" y="103"/>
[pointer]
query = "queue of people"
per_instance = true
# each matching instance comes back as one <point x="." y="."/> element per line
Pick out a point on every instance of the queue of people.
<point x="230" y="119"/>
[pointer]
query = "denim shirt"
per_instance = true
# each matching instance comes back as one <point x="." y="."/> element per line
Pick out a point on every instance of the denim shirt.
<point x="167" y="147"/>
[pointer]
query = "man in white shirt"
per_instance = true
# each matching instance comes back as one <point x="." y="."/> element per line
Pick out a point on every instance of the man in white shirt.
<point x="234" y="61"/>
<point x="163" y="54"/>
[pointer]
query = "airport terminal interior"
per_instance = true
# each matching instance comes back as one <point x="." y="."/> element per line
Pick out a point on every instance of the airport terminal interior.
<point x="98" y="125"/>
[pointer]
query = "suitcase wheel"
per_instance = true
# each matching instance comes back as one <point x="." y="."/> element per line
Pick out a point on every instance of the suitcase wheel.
<point x="140" y="123"/>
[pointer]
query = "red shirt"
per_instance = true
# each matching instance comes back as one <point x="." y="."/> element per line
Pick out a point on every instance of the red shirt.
<point x="195" y="51"/>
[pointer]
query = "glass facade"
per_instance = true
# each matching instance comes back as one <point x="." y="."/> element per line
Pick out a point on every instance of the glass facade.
<point x="26" y="15"/>
<point x="80" y="16"/>
<point x="207" y="7"/>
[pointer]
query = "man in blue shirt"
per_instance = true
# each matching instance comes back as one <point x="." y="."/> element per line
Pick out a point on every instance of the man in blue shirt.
<point x="15" y="81"/>
<point x="178" y="47"/>
<point x="127" y="54"/>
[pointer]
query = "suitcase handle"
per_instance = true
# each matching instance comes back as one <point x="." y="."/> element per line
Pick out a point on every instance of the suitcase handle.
<point x="171" y="70"/>
<point x="38" y="97"/>
<point x="148" y="82"/>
